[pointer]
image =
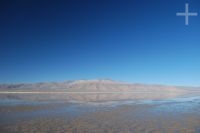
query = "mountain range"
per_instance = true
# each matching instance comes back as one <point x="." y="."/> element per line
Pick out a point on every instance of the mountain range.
<point x="91" y="85"/>
<point x="92" y="91"/>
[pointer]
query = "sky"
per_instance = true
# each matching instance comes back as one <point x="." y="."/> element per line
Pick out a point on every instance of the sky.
<point x="137" y="41"/>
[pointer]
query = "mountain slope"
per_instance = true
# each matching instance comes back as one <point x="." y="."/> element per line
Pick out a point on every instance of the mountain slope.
<point x="89" y="85"/>
<point x="91" y="91"/>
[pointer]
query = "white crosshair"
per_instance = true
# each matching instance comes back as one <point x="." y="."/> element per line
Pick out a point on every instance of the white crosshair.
<point x="186" y="14"/>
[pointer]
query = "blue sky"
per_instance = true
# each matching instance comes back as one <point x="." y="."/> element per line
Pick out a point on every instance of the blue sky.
<point x="128" y="40"/>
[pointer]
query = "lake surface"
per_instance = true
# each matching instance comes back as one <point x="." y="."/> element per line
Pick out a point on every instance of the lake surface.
<point x="171" y="115"/>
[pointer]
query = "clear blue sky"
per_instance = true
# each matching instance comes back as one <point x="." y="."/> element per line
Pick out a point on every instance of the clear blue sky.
<point x="129" y="40"/>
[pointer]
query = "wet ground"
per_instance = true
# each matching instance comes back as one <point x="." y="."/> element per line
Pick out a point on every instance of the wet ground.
<point x="172" y="115"/>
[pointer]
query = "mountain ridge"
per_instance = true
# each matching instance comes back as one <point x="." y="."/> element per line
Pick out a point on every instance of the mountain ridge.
<point x="92" y="85"/>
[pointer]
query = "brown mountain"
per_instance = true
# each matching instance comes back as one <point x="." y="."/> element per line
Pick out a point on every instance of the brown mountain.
<point x="92" y="90"/>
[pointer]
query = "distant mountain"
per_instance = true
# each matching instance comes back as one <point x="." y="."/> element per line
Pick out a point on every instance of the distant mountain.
<point x="90" y="85"/>
<point x="104" y="89"/>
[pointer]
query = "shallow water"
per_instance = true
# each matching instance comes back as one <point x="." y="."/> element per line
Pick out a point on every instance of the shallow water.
<point x="138" y="115"/>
